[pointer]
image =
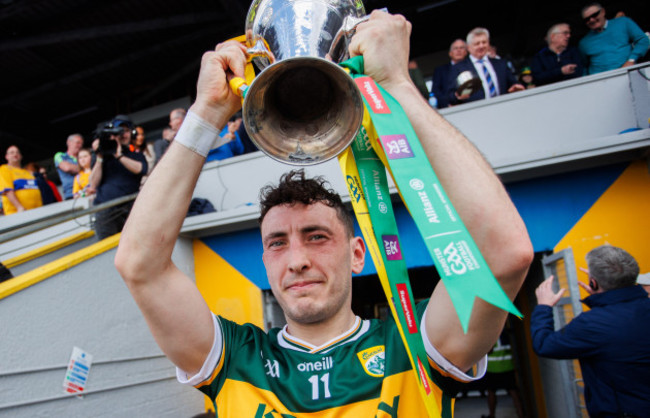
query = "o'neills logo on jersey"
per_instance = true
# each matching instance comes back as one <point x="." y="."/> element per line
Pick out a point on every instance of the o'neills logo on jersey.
<point x="325" y="363"/>
<point x="371" y="93"/>
<point x="373" y="360"/>
<point x="405" y="300"/>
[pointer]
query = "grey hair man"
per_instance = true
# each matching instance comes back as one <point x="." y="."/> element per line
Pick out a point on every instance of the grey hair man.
<point x="610" y="341"/>
<point x="496" y="78"/>
<point x="457" y="53"/>
<point x="558" y="61"/>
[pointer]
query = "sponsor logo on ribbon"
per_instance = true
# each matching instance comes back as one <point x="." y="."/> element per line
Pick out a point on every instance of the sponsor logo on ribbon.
<point x="396" y="146"/>
<point x="405" y="300"/>
<point x="391" y="247"/>
<point x="371" y="93"/>
<point x="423" y="377"/>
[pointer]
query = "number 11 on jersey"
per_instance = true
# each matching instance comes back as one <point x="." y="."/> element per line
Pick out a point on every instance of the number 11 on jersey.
<point x="315" y="387"/>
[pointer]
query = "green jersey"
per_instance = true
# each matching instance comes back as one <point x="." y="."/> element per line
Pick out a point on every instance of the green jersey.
<point x="364" y="372"/>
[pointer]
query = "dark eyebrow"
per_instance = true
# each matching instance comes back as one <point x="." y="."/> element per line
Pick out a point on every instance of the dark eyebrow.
<point x="273" y="235"/>
<point x="313" y="228"/>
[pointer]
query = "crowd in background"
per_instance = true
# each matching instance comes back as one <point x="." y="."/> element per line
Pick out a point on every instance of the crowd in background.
<point x="476" y="72"/>
<point x="122" y="169"/>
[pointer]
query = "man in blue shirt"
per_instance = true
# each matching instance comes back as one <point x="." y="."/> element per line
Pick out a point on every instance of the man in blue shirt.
<point x="611" y="341"/>
<point x="610" y="44"/>
<point x="66" y="163"/>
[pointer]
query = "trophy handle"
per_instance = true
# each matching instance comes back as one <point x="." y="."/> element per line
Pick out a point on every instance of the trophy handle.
<point x="259" y="50"/>
<point x="339" y="49"/>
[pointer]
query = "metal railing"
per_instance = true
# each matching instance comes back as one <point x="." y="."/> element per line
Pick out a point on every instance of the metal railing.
<point x="36" y="225"/>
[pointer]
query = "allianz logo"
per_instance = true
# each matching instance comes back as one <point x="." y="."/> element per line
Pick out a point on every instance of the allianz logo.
<point x="324" y="363"/>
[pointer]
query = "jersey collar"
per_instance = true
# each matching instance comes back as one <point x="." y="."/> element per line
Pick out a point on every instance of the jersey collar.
<point x="289" y="341"/>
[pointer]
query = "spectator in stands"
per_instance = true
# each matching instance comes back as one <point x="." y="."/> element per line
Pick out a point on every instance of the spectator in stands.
<point x="117" y="173"/>
<point x="140" y="144"/>
<point x="610" y="340"/>
<point x="558" y="61"/>
<point x="526" y="78"/>
<point x="457" y="53"/>
<point x="501" y="375"/>
<point x="81" y="186"/>
<point x="418" y="79"/>
<point x="176" y="118"/>
<point x="494" y="74"/>
<point x="66" y="163"/>
<point x="231" y="148"/>
<point x="610" y="44"/>
<point x="49" y="191"/>
<point x="644" y="281"/>
<point x="18" y="186"/>
<point x="493" y="53"/>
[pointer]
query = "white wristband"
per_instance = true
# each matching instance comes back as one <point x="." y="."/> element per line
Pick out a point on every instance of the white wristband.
<point x="197" y="134"/>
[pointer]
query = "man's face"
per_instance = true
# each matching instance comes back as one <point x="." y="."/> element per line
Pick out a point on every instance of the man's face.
<point x="458" y="51"/>
<point x="309" y="260"/>
<point x="13" y="155"/>
<point x="594" y="17"/>
<point x="561" y="37"/>
<point x="175" y="120"/>
<point x="479" y="46"/>
<point x="125" y="137"/>
<point x="74" y="145"/>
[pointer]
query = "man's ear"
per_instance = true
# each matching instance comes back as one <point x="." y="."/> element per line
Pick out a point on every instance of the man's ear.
<point x="358" y="248"/>
<point x="593" y="284"/>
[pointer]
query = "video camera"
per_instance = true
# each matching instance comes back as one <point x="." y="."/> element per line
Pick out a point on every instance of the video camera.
<point x="107" y="146"/>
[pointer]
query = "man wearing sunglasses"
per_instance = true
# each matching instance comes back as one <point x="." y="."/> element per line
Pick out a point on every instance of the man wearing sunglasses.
<point x="610" y="44"/>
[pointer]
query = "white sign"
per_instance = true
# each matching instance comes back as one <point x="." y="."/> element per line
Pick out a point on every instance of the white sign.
<point x="78" y="368"/>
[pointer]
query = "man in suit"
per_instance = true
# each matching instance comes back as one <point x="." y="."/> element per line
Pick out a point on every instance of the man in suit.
<point x="494" y="74"/>
<point x="457" y="53"/>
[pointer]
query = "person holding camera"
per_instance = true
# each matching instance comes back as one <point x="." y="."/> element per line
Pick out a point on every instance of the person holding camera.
<point x="117" y="172"/>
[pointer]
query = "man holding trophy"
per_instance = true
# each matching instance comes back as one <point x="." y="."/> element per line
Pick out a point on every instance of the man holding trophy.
<point x="326" y="361"/>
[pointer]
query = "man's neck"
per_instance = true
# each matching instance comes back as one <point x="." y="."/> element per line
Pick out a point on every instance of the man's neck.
<point x="319" y="333"/>
<point x="558" y="49"/>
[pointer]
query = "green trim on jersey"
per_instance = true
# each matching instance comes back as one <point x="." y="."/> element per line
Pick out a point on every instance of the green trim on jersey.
<point x="366" y="372"/>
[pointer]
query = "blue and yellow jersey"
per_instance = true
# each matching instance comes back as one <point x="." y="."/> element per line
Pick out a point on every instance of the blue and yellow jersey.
<point x="364" y="372"/>
<point x="23" y="184"/>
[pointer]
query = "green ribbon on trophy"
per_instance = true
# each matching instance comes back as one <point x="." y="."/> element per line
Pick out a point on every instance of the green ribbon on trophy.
<point x="460" y="264"/>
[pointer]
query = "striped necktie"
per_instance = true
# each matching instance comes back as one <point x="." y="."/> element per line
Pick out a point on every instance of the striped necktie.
<point x="488" y="78"/>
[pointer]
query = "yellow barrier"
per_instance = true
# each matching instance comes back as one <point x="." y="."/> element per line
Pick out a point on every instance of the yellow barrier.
<point x="46" y="249"/>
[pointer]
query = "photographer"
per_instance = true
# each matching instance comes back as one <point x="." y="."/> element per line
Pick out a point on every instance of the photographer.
<point x="117" y="172"/>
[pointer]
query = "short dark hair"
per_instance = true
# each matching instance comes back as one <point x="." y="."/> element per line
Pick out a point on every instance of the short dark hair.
<point x="295" y="188"/>
<point x="612" y="267"/>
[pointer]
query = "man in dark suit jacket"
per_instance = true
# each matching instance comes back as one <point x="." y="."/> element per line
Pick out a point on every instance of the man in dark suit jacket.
<point x="457" y="53"/>
<point x="500" y="79"/>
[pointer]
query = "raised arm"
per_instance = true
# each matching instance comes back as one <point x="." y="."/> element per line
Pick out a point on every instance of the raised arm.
<point x="475" y="190"/>
<point x="175" y="311"/>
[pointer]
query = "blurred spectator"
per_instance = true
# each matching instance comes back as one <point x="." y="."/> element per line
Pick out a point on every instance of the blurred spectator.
<point x="457" y="53"/>
<point x="644" y="281"/>
<point x="81" y="186"/>
<point x="161" y="145"/>
<point x="418" y="80"/>
<point x="66" y="163"/>
<point x="249" y="146"/>
<point x="558" y="61"/>
<point x="49" y="191"/>
<point x="19" y="189"/>
<point x="494" y="74"/>
<point x="231" y="148"/>
<point x="176" y="118"/>
<point x="117" y="172"/>
<point x="494" y="54"/>
<point x="526" y="78"/>
<point x="140" y="144"/>
<point x="501" y="375"/>
<point x="612" y="43"/>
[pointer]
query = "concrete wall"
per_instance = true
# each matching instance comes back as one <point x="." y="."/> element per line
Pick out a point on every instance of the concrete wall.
<point x="87" y="306"/>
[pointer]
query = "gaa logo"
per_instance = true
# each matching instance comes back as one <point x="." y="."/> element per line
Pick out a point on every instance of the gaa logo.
<point x="416" y="184"/>
<point x="383" y="208"/>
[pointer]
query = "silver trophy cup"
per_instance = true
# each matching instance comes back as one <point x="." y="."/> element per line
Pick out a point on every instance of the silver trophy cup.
<point x="302" y="108"/>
